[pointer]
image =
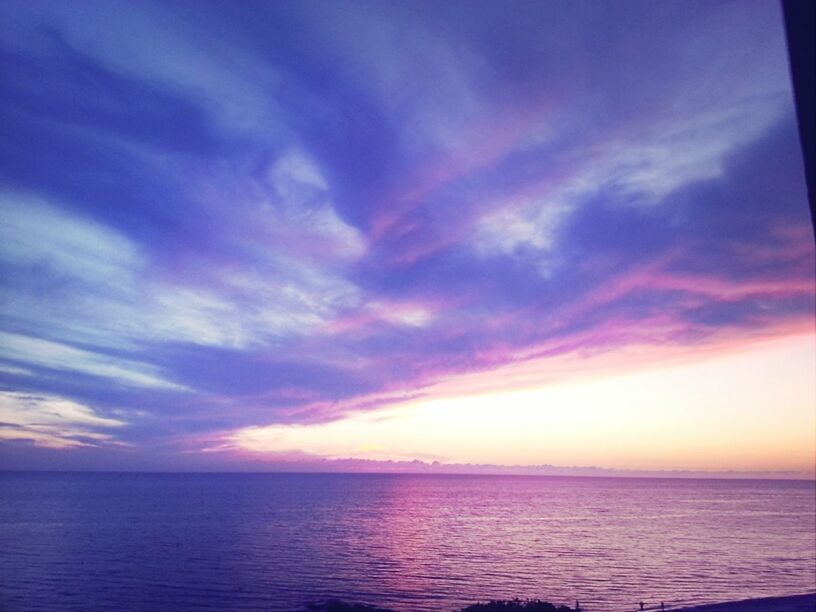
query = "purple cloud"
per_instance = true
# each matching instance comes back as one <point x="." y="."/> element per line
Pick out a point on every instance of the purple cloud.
<point x="248" y="214"/>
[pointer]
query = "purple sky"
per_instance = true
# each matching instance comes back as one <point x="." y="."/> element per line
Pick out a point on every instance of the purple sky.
<point x="218" y="215"/>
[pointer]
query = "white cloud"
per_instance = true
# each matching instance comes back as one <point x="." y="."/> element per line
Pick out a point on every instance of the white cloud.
<point x="15" y="371"/>
<point x="250" y="307"/>
<point x="88" y="283"/>
<point x="299" y="205"/>
<point x="294" y="170"/>
<point x="404" y="314"/>
<point x="533" y="224"/>
<point x="679" y="152"/>
<point x="57" y="356"/>
<point x="152" y="43"/>
<point x="35" y="233"/>
<point x="644" y="170"/>
<point x="52" y="421"/>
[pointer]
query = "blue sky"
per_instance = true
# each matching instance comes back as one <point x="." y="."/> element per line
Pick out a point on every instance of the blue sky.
<point x="219" y="216"/>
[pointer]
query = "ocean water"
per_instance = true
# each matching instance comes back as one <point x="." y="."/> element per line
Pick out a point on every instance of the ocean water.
<point x="411" y="542"/>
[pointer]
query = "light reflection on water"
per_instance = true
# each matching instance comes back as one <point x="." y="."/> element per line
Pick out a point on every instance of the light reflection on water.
<point x="276" y="541"/>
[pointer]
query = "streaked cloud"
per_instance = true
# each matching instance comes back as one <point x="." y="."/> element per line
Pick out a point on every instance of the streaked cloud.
<point x="218" y="232"/>
<point x="55" y="356"/>
<point x="564" y="420"/>
<point x="53" y="422"/>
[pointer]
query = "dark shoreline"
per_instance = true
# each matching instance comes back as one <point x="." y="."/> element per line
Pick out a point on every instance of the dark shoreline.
<point x="786" y="603"/>
<point x="789" y="603"/>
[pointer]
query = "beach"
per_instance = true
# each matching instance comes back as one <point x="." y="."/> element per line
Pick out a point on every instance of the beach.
<point x="791" y="603"/>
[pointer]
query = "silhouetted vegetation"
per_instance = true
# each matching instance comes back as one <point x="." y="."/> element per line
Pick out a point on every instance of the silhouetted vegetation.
<point x="507" y="605"/>
<point x="514" y="605"/>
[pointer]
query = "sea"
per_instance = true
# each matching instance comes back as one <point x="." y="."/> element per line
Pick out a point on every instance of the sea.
<point x="154" y="542"/>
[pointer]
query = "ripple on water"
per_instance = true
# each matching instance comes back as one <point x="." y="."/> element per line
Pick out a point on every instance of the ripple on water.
<point x="214" y="542"/>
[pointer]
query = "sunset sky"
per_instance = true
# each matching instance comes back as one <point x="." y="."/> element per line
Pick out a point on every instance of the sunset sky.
<point x="242" y="235"/>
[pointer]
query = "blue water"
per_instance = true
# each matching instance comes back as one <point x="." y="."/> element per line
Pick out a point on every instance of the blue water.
<point x="277" y="541"/>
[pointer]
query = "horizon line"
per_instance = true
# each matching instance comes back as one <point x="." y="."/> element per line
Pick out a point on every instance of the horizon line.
<point x="663" y="475"/>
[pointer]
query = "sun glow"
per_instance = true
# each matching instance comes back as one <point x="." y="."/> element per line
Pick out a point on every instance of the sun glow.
<point x="752" y="409"/>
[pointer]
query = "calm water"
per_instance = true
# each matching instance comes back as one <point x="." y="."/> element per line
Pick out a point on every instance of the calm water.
<point x="276" y="541"/>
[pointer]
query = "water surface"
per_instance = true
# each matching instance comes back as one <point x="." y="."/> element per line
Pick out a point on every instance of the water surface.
<point x="411" y="542"/>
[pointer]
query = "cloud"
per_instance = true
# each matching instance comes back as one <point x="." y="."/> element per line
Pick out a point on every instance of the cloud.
<point x="617" y="411"/>
<point x="128" y="39"/>
<point x="665" y="156"/>
<point x="79" y="257"/>
<point x="245" y="309"/>
<point x="53" y="422"/>
<point x="55" y="356"/>
<point x="36" y="235"/>
<point x="225" y="229"/>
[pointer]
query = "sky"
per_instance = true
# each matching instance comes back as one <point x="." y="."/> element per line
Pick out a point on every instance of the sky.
<point x="388" y="235"/>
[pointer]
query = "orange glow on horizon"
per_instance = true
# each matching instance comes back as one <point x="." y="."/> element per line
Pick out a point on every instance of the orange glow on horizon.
<point x="753" y="409"/>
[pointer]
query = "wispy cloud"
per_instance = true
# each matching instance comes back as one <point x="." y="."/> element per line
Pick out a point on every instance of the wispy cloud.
<point x="55" y="356"/>
<point x="54" y="422"/>
<point x="221" y="229"/>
